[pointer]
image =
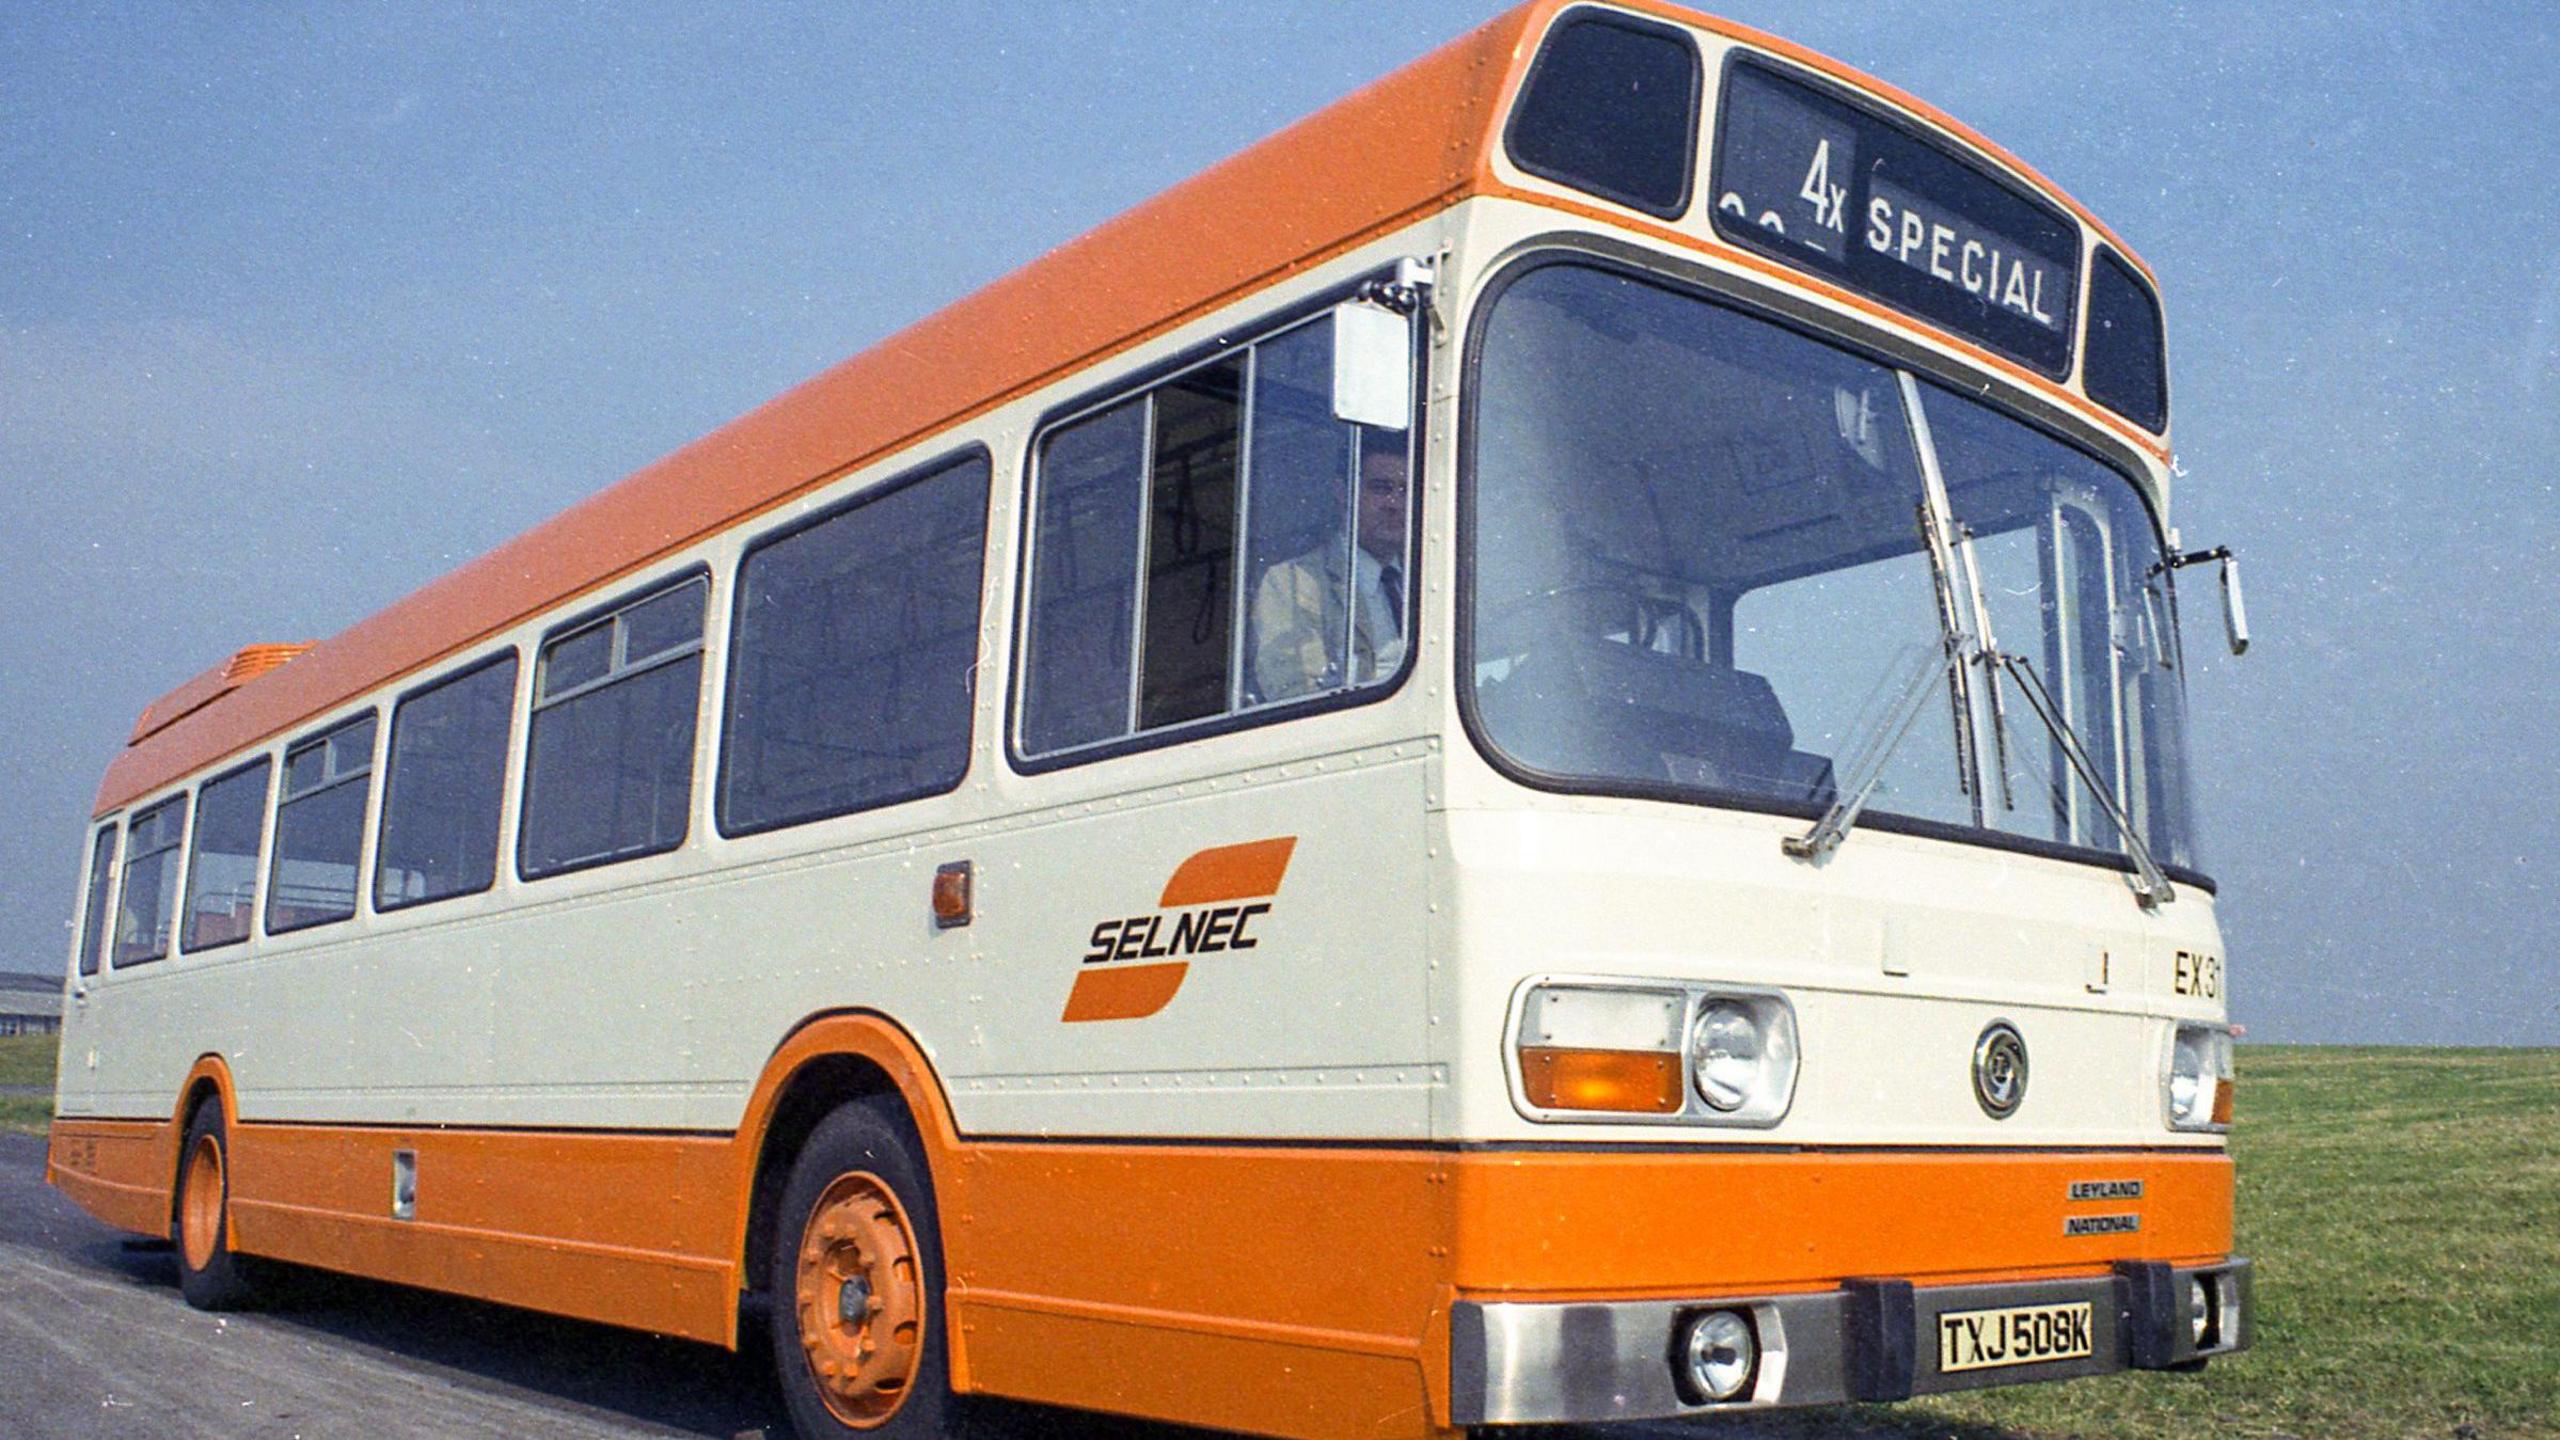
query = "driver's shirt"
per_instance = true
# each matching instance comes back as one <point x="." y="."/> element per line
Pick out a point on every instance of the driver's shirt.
<point x="1298" y="624"/>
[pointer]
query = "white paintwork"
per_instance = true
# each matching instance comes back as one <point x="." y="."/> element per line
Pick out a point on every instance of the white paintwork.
<point x="1425" y="886"/>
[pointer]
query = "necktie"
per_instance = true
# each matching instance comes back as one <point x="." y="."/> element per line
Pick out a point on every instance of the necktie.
<point x="1391" y="583"/>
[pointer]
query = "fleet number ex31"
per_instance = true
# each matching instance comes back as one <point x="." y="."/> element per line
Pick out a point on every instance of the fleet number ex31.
<point x="1520" y="757"/>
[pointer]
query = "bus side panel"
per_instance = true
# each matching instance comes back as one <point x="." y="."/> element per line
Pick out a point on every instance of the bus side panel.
<point x="118" y="1170"/>
<point x="1283" y="1290"/>
<point x="623" y="1229"/>
<point x="1237" y="951"/>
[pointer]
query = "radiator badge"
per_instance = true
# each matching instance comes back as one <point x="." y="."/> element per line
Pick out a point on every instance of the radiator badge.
<point x="2000" y="1070"/>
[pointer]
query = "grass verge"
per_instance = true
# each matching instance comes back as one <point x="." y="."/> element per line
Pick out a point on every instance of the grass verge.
<point x="28" y="1059"/>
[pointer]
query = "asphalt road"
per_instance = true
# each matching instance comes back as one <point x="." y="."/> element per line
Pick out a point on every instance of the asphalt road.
<point x="95" y="1344"/>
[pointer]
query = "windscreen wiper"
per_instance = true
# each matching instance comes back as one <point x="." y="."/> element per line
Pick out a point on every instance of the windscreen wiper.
<point x="2151" y="884"/>
<point x="1921" y="672"/>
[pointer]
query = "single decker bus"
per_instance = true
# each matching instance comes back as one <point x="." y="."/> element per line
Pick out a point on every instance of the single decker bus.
<point x="1517" y="758"/>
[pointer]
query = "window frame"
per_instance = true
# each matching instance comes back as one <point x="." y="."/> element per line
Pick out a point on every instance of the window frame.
<point x="1699" y="284"/>
<point x="506" y="760"/>
<point x="535" y="703"/>
<point x="1135" y="386"/>
<point x="277" y="800"/>
<point x="97" y="900"/>
<point x="183" y="801"/>
<point x="901" y="480"/>
<point x="258" y="861"/>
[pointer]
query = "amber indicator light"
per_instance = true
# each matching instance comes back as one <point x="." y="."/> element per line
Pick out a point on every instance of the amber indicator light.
<point x="951" y="899"/>
<point x="1643" y="1082"/>
<point x="2222" y="1101"/>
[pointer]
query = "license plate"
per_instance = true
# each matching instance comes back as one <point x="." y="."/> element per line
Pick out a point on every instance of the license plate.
<point x="2019" y="1335"/>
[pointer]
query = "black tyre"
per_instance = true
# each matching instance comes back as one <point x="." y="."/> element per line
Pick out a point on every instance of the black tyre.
<point x="210" y="1274"/>
<point x="860" y="1341"/>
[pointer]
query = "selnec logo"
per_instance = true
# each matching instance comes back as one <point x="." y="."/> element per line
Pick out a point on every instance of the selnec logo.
<point x="1210" y="905"/>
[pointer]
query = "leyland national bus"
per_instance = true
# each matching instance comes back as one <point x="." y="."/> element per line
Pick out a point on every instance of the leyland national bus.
<point x="1517" y="758"/>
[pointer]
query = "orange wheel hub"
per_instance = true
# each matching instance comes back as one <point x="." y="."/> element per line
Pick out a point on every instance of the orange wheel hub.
<point x="861" y="1300"/>
<point x="200" y="1216"/>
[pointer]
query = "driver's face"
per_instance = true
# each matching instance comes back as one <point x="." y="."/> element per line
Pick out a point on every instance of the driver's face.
<point x="1382" y="502"/>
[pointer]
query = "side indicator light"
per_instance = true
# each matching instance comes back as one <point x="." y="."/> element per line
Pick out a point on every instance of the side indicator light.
<point x="951" y="897"/>
<point x="2222" y="1101"/>
<point x="1639" y="1082"/>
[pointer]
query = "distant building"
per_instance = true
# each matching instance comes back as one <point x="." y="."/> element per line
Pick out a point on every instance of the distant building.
<point x="30" y="1004"/>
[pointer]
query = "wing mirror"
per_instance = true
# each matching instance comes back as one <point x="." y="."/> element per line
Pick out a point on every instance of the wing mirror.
<point x="1373" y="350"/>
<point x="2235" y="606"/>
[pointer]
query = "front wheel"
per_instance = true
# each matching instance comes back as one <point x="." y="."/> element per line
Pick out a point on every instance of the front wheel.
<point x="859" y="1336"/>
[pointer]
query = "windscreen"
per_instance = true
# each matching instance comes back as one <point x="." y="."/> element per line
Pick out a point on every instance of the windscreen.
<point x="1702" y="569"/>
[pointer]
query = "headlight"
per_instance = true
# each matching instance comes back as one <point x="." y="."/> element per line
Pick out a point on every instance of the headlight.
<point x="1685" y="1053"/>
<point x="2198" y="1087"/>
<point x="1742" y="1056"/>
<point x="1727" y="1055"/>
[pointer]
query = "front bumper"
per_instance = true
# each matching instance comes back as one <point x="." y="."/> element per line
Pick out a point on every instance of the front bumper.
<point x="1578" y="1362"/>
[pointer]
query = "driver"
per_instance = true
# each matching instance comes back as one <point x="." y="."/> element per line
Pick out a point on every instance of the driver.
<point x="1298" y="608"/>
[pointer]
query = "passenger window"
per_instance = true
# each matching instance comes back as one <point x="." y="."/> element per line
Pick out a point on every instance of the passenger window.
<point x="222" y="865"/>
<point x="1217" y="544"/>
<point x="150" y="889"/>
<point x="854" y="655"/>
<point x="444" y="787"/>
<point x="93" y="922"/>
<point x="609" y="758"/>
<point x="320" y="828"/>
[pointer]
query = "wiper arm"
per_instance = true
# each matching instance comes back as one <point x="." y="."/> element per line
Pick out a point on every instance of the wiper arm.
<point x="1866" y="765"/>
<point x="2151" y="883"/>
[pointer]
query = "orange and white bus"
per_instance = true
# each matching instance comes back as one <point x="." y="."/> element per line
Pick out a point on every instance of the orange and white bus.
<point x="1517" y="758"/>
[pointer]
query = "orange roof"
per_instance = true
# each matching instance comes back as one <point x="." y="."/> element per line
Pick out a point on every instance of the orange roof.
<point x="1413" y="141"/>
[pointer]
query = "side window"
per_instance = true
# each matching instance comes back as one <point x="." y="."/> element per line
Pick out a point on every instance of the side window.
<point x="150" y="888"/>
<point x="320" y="828"/>
<point x="222" y="863"/>
<point x="854" y="655"/>
<point x="1217" y="544"/>
<point x="443" y="784"/>
<point x="609" y="765"/>
<point x="93" y="914"/>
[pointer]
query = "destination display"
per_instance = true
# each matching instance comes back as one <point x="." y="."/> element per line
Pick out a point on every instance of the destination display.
<point x="1822" y="183"/>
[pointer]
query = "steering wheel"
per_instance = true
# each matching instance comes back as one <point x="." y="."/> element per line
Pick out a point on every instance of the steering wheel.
<point x="1550" y="611"/>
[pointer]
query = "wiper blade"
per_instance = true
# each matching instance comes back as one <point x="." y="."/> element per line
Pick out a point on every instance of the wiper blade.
<point x="1925" y="673"/>
<point x="2151" y="884"/>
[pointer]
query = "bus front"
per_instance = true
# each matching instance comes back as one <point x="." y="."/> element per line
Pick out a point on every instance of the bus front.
<point x="1837" y="999"/>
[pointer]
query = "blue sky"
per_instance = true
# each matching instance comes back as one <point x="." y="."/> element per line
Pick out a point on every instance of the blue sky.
<point x="300" y="305"/>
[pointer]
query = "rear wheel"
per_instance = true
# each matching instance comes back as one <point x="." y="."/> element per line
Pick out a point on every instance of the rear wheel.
<point x="210" y="1275"/>
<point x="859" y="1337"/>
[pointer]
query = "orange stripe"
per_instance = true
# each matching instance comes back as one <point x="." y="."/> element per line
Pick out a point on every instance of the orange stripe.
<point x="1128" y="992"/>
<point x="1230" y="872"/>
